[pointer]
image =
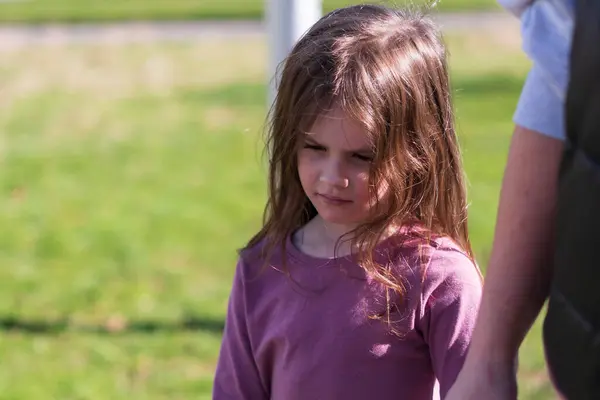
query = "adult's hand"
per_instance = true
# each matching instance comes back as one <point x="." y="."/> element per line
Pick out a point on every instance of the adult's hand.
<point x="485" y="381"/>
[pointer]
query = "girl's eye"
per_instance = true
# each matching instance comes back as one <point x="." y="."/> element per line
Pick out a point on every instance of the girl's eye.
<point x="315" y="147"/>
<point x="363" y="157"/>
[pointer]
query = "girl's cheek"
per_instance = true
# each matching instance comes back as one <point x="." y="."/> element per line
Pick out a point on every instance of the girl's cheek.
<point x="304" y="158"/>
<point x="309" y="162"/>
<point x="362" y="176"/>
<point x="309" y="155"/>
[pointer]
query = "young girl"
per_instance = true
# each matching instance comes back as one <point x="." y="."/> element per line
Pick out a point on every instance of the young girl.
<point x="361" y="283"/>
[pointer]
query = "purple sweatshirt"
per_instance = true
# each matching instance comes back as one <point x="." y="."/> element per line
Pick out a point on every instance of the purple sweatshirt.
<point x="307" y="335"/>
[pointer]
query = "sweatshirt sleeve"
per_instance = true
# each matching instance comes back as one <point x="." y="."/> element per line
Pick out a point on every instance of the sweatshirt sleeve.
<point x="237" y="376"/>
<point x="450" y="300"/>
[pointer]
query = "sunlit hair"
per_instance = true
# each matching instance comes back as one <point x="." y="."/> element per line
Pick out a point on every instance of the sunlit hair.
<point x="386" y="69"/>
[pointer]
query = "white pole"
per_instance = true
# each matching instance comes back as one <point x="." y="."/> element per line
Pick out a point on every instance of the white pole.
<point x="287" y="21"/>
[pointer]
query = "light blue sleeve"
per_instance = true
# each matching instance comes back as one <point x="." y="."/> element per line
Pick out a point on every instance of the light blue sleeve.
<point x="539" y="107"/>
<point x="546" y="28"/>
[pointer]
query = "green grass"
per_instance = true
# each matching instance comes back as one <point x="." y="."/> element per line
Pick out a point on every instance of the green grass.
<point x="109" y="10"/>
<point x="129" y="175"/>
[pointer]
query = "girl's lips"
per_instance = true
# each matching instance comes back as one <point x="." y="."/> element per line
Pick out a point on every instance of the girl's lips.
<point x="333" y="199"/>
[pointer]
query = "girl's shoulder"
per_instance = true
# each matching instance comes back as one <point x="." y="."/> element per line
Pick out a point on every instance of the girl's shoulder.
<point x="450" y="266"/>
<point x="254" y="253"/>
<point x="432" y="263"/>
<point x="257" y="255"/>
<point x="443" y="285"/>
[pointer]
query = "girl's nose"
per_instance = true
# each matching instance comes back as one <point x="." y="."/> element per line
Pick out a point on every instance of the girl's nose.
<point x="332" y="175"/>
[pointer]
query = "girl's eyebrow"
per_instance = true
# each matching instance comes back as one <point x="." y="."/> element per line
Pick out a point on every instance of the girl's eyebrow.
<point x="309" y="137"/>
<point x="363" y="150"/>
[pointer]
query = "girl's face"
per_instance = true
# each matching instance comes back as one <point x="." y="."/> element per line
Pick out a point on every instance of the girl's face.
<point x="333" y="164"/>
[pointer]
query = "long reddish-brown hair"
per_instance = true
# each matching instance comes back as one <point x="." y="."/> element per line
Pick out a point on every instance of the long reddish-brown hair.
<point x="387" y="69"/>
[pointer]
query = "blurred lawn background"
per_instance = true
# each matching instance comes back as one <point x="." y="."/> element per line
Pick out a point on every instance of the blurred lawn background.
<point x="111" y="10"/>
<point x="129" y="176"/>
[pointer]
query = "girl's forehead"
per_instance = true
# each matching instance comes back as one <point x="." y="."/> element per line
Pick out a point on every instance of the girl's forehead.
<point x="336" y="126"/>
